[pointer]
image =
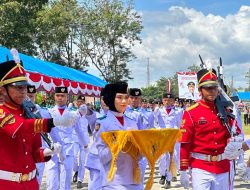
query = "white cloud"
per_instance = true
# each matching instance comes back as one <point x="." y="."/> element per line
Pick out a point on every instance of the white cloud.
<point x="172" y="40"/>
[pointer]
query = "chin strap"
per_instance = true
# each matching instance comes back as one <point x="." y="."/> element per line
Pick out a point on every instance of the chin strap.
<point x="10" y="96"/>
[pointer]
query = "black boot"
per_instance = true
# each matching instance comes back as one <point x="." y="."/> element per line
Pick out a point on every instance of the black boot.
<point x="79" y="185"/>
<point x="75" y="177"/>
<point x="167" y="185"/>
<point x="162" y="180"/>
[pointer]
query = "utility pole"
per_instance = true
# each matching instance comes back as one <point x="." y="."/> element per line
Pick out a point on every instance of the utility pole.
<point x="148" y="74"/>
<point x="232" y="82"/>
<point x="248" y="78"/>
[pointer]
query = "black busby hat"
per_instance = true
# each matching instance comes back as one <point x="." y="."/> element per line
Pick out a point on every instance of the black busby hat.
<point x="191" y="83"/>
<point x="135" y="92"/>
<point x="207" y="78"/>
<point x="31" y="89"/>
<point x="12" y="72"/>
<point x="81" y="97"/>
<point x="61" y="89"/>
<point x="110" y="93"/>
<point x="167" y="95"/>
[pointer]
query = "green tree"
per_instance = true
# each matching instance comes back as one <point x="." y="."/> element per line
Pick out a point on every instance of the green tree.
<point x="194" y="68"/>
<point x="17" y="24"/>
<point x="57" y="34"/>
<point x="156" y="91"/>
<point x="111" y="28"/>
<point x="248" y="80"/>
<point x="150" y="92"/>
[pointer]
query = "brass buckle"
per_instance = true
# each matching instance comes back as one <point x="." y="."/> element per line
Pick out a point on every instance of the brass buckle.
<point x="24" y="177"/>
<point x="214" y="158"/>
<point x="206" y="157"/>
<point x="13" y="177"/>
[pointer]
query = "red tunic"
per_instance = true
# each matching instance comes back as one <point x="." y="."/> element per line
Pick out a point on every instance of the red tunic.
<point x="203" y="133"/>
<point x="20" y="146"/>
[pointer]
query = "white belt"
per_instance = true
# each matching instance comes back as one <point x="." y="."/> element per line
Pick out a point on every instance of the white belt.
<point x="17" y="177"/>
<point x="206" y="157"/>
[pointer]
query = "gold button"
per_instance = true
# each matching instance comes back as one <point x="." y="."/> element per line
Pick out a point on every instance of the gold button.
<point x="24" y="177"/>
<point x="213" y="121"/>
<point x="23" y="140"/>
<point x="214" y="132"/>
<point x="214" y="158"/>
<point x="215" y="143"/>
<point x="27" y="166"/>
<point x="26" y="153"/>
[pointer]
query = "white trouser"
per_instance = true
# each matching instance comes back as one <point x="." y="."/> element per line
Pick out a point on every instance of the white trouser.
<point x="164" y="163"/>
<point x="177" y="155"/>
<point x="121" y="187"/>
<point x="59" y="174"/>
<point x="79" y="161"/>
<point x="143" y="165"/>
<point x="95" y="182"/>
<point x="40" y="169"/>
<point x="231" y="183"/>
<point x="203" y="180"/>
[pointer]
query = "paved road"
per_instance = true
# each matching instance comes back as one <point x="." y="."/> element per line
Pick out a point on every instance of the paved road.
<point x="239" y="185"/>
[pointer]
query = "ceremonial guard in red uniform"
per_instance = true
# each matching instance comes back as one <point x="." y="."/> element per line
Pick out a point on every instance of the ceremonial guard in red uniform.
<point x="20" y="144"/>
<point x="204" y="139"/>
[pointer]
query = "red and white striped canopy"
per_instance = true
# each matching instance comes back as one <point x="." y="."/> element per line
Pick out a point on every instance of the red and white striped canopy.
<point x="43" y="82"/>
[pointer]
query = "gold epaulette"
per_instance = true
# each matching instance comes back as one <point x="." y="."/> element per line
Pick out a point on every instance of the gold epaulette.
<point x="192" y="107"/>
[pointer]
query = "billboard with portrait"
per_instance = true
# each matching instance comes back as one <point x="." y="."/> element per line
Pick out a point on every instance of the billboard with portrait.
<point x="187" y="83"/>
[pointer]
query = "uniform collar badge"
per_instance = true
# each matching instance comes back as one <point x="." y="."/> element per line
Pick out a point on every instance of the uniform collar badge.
<point x="202" y="120"/>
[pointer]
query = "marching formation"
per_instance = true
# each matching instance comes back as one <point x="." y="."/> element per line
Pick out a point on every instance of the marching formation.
<point x="56" y="141"/>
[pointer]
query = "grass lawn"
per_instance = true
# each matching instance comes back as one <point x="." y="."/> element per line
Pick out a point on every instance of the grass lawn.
<point x="246" y="128"/>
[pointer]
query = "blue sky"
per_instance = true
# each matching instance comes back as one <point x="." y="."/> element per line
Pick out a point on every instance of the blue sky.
<point x="176" y="31"/>
<point x="217" y="7"/>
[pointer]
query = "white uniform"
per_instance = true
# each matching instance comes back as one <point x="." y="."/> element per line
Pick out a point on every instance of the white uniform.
<point x="123" y="178"/>
<point x="58" y="171"/>
<point x="241" y="157"/>
<point x="147" y="118"/>
<point x="79" y="148"/>
<point x="192" y="96"/>
<point x="135" y="114"/>
<point x="93" y="163"/>
<point x="169" y="120"/>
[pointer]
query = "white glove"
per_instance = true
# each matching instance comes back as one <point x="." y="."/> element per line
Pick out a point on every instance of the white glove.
<point x="233" y="149"/>
<point x="83" y="109"/>
<point x="69" y="120"/>
<point x="236" y="139"/>
<point x="56" y="149"/>
<point x="184" y="179"/>
<point x="243" y="172"/>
